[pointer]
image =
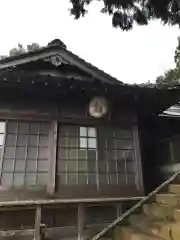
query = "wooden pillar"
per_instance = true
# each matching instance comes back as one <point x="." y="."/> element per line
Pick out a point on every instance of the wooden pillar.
<point x="52" y="158"/>
<point x="37" y="227"/>
<point x="137" y="153"/>
<point x="81" y="221"/>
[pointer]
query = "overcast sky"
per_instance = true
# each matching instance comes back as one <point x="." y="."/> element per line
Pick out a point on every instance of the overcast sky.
<point x="133" y="57"/>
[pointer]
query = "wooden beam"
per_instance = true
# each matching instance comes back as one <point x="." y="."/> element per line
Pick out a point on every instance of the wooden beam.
<point x="81" y="221"/>
<point x="16" y="233"/>
<point x="52" y="158"/>
<point x="37" y="234"/>
<point x="66" y="201"/>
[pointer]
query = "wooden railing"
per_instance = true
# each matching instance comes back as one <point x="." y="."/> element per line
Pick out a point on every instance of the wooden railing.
<point x="40" y="229"/>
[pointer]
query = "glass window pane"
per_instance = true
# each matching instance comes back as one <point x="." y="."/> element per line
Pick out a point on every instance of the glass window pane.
<point x="12" y="127"/>
<point x="91" y="166"/>
<point x="129" y="155"/>
<point x="20" y="165"/>
<point x="9" y="152"/>
<point x="91" y="132"/>
<point x="102" y="166"/>
<point x="120" y="155"/>
<point x="2" y="127"/>
<point x="112" y="179"/>
<point x="20" y="152"/>
<point x="32" y="152"/>
<point x="33" y="140"/>
<point x="0" y="150"/>
<point x="6" y="180"/>
<point x="44" y="128"/>
<point x="44" y="141"/>
<point x="121" y="178"/>
<point x="112" y="155"/>
<point x="92" y="179"/>
<point x="43" y="153"/>
<point x="43" y="166"/>
<point x="130" y="166"/>
<point x="82" y="154"/>
<point x="10" y="139"/>
<point x="23" y="128"/>
<point x="121" y="166"/>
<point x="91" y="154"/>
<point x="22" y="140"/>
<point x="31" y="166"/>
<point x="62" y="166"/>
<point x="104" y="156"/>
<point x="62" y="153"/>
<point x="72" y="166"/>
<point x="103" y="179"/>
<point x="63" y="142"/>
<point x="8" y="165"/>
<point x="112" y="166"/>
<point x="83" y="143"/>
<point x="18" y="180"/>
<point x="1" y="139"/>
<point x="124" y="144"/>
<point x="33" y="128"/>
<point x="72" y="179"/>
<point x="82" y="166"/>
<point x="73" y="154"/>
<point x="83" y="132"/>
<point x="82" y="179"/>
<point x="61" y="179"/>
<point x="30" y="179"/>
<point x="92" y="143"/>
<point x="42" y="179"/>
<point x="73" y="142"/>
<point x="111" y="144"/>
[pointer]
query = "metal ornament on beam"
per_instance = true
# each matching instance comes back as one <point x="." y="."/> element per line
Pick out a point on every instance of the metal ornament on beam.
<point x="56" y="60"/>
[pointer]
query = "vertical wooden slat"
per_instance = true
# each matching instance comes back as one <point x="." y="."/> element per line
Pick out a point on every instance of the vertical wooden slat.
<point x="15" y="149"/>
<point x="81" y="221"/>
<point x="52" y="158"/>
<point x="97" y="165"/>
<point x="3" y="149"/>
<point x="37" y="153"/>
<point x="137" y="153"/>
<point x="37" y="234"/>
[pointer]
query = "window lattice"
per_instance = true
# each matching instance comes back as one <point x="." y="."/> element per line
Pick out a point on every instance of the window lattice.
<point x="26" y="153"/>
<point x="86" y="156"/>
<point x="77" y="155"/>
<point x="116" y="157"/>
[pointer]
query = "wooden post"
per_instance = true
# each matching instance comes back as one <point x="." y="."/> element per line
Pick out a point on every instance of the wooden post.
<point x="37" y="227"/>
<point x="137" y="152"/>
<point x="52" y="158"/>
<point x="81" y="221"/>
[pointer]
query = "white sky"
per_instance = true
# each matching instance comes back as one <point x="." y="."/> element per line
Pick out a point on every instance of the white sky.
<point x="133" y="57"/>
